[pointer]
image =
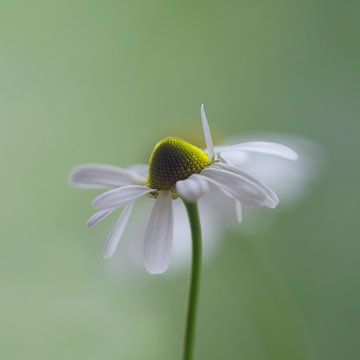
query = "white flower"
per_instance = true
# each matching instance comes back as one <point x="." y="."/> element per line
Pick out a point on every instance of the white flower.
<point x="177" y="169"/>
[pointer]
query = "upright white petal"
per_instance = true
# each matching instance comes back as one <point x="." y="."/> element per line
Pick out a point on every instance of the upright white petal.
<point x="238" y="210"/>
<point x="117" y="231"/>
<point x="192" y="188"/>
<point x="98" y="217"/>
<point x="95" y="176"/>
<point x="207" y="133"/>
<point x="264" y="147"/>
<point x="121" y="196"/>
<point x="159" y="235"/>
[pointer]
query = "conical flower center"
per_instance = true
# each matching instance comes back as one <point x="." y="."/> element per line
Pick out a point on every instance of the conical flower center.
<point x="174" y="159"/>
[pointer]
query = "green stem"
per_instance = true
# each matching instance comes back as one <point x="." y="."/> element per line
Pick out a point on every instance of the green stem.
<point x="189" y="341"/>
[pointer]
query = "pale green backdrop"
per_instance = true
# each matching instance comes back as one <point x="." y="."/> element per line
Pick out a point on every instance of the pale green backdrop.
<point x="102" y="81"/>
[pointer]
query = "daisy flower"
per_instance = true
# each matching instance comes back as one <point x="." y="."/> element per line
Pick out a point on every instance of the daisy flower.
<point x="177" y="169"/>
<point x="291" y="180"/>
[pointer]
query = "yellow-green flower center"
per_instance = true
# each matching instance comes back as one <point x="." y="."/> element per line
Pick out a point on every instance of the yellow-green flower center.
<point x="174" y="159"/>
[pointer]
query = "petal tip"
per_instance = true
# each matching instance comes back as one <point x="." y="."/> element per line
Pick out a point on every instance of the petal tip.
<point x="71" y="178"/>
<point x="107" y="256"/>
<point x="207" y="133"/>
<point x="156" y="270"/>
<point x="273" y="204"/>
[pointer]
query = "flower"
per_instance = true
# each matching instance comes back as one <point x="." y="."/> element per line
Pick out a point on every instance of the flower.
<point x="176" y="169"/>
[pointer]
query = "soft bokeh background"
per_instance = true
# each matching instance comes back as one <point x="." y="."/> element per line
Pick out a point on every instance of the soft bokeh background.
<point x="102" y="81"/>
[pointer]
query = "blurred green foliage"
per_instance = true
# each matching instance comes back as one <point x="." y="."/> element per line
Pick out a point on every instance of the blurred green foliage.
<point x="102" y="81"/>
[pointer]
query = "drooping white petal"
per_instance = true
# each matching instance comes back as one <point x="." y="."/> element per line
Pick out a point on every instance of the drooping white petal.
<point x="207" y="133"/>
<point x="95" y="176"/>
<point x="264" y="147"/>
<point x="238" y="210"/>
<point x="159" y="235"/>
<point x="117" y="231"/>
<point x="246" y="175"/>
<point x="244" y="188"/>
<point x="98" y="217"/>
<point x="192" y="188"/>
<point x="121" y="196"/>
<point x="291" y="180"/>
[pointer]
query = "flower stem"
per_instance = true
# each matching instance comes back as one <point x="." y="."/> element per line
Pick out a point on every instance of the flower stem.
<point x="189" y="340"/>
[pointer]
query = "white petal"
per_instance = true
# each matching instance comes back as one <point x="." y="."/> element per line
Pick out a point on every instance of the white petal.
<point x="244" y="188"/>
<point x="117" y="231"/>
<point x="192" y="188"/>
<point x="246" y="175"/>
<point x="207" y="133"/>
<point x="236" y="157"/>
<point x="220" y="148"/>
<point x="265" y="147"/>
<point x="238" y="210"/>
<point x="121" y="196"/>
<point x="95" y="176"/>
<point x="289" y="179"/>
<point x="98" y="216"/>
<point x="159" y="235"/>
<point x="141" y="170"/>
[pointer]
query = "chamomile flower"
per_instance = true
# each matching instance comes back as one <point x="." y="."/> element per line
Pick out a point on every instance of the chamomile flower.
<point x="176" y="169"/>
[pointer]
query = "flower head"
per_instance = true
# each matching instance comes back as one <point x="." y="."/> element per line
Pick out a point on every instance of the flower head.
<point x="174" y="159"/>
<point x="176" y="169"/>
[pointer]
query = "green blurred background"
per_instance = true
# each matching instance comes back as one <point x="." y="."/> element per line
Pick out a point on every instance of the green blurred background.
<point x="102" y="81"/>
